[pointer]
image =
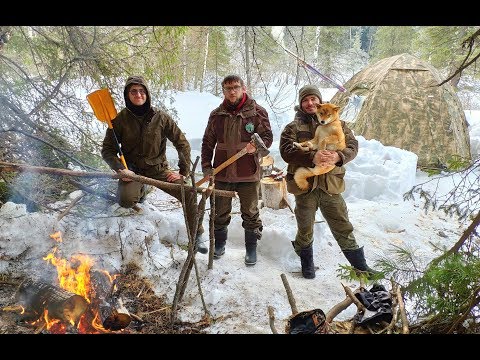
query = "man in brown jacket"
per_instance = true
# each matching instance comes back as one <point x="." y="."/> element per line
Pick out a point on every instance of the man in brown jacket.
<point x="143" y="131"/>
<point x="229" y="129"/>
<point x="325" y="190"/>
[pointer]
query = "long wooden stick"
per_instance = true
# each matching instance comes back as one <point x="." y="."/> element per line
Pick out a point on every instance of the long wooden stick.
<point x="337" y="309"/>
<point x="5" y="166"/>
<point x="271" y="319"/>
<point x="291" y="299"/>
<point x="403" y="315"/>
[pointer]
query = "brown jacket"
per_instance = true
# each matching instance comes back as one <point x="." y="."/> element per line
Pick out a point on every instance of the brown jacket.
<point x="144" y="138"/>
<point x="303" y="128"/>
<point x="229" y="132"/>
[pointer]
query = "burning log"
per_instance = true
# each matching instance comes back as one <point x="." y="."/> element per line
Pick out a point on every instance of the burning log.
<point x="37" y="296"/>
<point x="113" y="315"/>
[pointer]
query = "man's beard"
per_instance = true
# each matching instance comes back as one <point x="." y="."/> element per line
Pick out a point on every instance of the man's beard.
<point x="235" y="103"/>
<point x="232" y="106"/>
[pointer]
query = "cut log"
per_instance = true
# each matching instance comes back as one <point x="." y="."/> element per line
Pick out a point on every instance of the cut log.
<point x="37" y="296"/>
<point x="274" y="193"/>
<point x="113" y="315"/>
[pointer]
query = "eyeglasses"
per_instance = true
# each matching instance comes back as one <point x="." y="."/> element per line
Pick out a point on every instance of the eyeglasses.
<point x="230" y="88"/>
<point x="137" y="91"/>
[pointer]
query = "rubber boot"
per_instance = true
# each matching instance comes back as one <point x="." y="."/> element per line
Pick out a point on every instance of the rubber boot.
<point x="200" y="245"/>
<point x="356" y="258"/>
<point x="220" y="240"/>
<point x="251" y="238"/>
<point x="306" y="259"/>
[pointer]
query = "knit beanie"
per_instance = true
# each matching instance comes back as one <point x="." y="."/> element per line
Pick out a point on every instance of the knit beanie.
<point x="308" y="90"/>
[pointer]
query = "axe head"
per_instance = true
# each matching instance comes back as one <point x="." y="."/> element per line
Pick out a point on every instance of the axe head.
<point x="260" y="145"/>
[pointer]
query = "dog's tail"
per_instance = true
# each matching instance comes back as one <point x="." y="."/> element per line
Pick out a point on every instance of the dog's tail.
<point x="303" y="173"/>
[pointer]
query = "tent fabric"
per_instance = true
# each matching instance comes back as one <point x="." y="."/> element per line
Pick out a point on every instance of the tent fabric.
<point x="397" y="102"/>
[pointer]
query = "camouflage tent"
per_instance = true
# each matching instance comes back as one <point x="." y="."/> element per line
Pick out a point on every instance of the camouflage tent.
<point x="396" y="101"/>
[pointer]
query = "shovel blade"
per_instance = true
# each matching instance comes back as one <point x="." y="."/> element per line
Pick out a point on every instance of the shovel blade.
<point x="102" y="104"/>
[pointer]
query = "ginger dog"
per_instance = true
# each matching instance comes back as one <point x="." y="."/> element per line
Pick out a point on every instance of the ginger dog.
<point x="328" y="136"/>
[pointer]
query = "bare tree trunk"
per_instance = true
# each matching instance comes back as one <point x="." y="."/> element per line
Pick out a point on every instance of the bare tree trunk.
<point x="184" y="62"/>
<point x="205" y="61"/>
<point x="247" y="58"/>
<point x="317" y="45"/>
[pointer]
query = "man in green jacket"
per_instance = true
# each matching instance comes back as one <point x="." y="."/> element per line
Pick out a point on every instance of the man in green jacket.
<point x="324" y="190"/>
<point x="143" y="131"/>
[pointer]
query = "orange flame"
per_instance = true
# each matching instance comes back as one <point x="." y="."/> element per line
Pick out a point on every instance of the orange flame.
<point x="57" y="236"/>
<point x="74" y="276"/>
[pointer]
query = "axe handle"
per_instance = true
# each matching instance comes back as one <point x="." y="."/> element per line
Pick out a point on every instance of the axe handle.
<point x="223" y="165"/>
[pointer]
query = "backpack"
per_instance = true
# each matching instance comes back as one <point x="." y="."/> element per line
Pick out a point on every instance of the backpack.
<point x="307" y="322"/>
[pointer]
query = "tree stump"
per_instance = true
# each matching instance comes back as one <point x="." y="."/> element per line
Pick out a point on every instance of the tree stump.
<point x="274" y="193"/>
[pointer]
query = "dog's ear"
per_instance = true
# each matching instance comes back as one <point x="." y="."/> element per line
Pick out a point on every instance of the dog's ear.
<point x="336" y="107"/>
<point x="319" y="106"/>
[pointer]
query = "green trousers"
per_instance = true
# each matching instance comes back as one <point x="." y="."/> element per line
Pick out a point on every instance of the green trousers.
<point x="248" y="195"/>
<point x="335" y="212"/>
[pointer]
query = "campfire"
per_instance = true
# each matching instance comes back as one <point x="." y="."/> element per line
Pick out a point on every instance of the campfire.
<point x="83" y="300"/>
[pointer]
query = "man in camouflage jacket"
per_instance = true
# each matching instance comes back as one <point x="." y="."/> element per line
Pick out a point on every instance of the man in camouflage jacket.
<point x="325" y="190"/>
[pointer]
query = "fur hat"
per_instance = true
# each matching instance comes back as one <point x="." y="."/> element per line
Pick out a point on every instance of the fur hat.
<point x="308" y="90"/>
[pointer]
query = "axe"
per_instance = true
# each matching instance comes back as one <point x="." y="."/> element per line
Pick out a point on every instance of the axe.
<point x="256" y="141"/>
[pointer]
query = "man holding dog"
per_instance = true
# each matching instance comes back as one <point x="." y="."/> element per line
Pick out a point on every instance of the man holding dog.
<point x="325" y="190"/>
<point x="143" y="131"/>
<point x="230" y="128"/>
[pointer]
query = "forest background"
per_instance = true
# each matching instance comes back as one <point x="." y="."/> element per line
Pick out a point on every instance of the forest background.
<point x="46" y="71"/>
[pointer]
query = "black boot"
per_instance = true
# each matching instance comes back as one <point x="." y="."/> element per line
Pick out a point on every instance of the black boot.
<point x="306" y="259"/>
<point x="251" y="238"/>
<point x="200" y="245"/>
<point x="220" y="240"/>
<point x="356" y="258"/>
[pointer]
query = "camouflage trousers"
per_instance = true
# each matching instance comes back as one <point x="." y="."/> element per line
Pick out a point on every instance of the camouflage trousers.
<point x="248" y="194"/>
<point x="335" y="212"/>
<point x="130" y="192"/>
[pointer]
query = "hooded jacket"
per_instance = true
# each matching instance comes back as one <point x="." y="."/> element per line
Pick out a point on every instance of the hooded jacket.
<point x="143" y="133"/>
<point x="303" y="128"/>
